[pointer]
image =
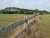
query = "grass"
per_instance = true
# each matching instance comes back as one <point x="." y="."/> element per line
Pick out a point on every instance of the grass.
<point x="10" y="18"/>
<point x="45" y="25"/>
<point x="6" y="19"/>
<point x="44" y="30"/>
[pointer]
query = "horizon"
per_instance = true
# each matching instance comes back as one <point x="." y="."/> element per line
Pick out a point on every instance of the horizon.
<point x="26" y="4"/>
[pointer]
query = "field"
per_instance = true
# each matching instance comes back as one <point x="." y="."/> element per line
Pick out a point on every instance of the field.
<point x="8" y="18"/>
<point x="46" y="25"/>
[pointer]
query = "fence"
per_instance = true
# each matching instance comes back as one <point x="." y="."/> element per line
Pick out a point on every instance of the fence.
<point x="13" y="25"/>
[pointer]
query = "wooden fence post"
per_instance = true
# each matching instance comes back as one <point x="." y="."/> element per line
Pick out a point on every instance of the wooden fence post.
<point x="26" y="21"/>
<point x="34" y="14"/>
<point x="34" y="17"/>
<point x="26" y="24"/>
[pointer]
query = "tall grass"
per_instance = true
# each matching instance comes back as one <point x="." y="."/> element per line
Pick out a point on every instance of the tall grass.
<point x="45" y="25"/>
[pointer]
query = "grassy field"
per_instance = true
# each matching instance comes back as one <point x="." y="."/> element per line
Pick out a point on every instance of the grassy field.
<point x="10" y="18"/>
<point x="45" y="25"/>
<point x="41" y="29"/>
<point x="6" y="19"/>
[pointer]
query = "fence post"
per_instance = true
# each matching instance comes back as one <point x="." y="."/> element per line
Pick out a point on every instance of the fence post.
<point x="34" y="14"/>
<point x="26" y="24"/>
<point x="34" y="17"/>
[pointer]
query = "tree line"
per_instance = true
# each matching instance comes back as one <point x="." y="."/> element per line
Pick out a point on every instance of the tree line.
<point x="14" y="10"/>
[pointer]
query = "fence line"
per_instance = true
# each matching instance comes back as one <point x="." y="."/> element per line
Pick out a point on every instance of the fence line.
<point x="23" y="30"/>
<point x="13" y="25"/>
<point x="26" y="25"/>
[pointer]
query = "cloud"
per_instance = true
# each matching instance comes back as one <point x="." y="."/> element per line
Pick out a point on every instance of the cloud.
<point x="29" y="5"/>
<point x="5" y="1"/>
<point x="42" y="1"/>
<point x="11" y="1"/>
<point x="48" y="4"/>
<point x="15" y="1"/>
<point x="33" y="2"/>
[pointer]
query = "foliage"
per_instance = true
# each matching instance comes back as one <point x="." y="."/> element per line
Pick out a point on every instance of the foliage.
<point x="14" y="10"/>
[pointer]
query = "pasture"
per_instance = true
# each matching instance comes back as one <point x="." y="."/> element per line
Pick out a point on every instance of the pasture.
<point x="45" y="28"/>
<point x="10" y="18"/>
<point x="6" y="19"/>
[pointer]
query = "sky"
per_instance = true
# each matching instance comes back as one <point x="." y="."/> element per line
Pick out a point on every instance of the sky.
<point x="27" y="4"/>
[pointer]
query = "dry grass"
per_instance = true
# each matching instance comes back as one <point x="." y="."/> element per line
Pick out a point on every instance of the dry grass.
<point x="33" y="30"/>
<point x="39" y="30"/>
<point x="10" y="18"/>
<point x="12" y="33"/>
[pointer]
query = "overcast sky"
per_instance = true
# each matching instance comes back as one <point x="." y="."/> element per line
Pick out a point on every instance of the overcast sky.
<point x="29" y="4"/>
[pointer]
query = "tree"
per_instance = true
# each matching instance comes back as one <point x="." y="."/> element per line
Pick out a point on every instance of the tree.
<point x="44" y="11"/>
<point x="36" y="10"/>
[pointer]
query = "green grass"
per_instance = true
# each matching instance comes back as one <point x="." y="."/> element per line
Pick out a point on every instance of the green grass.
<point x="6" y="19"/>
<point x="45" y="25"/>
